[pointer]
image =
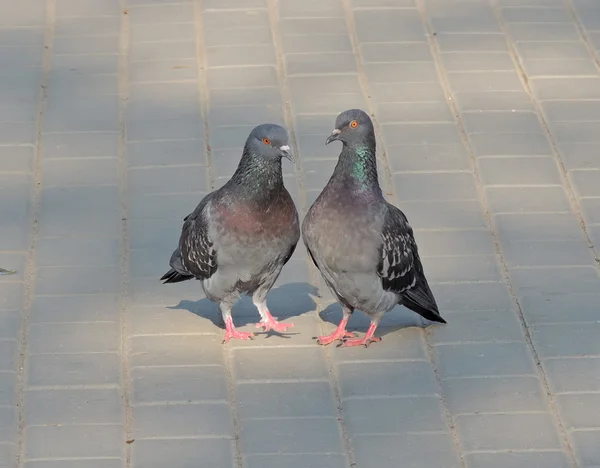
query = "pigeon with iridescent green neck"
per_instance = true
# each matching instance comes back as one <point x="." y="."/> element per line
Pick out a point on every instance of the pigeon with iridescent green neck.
<point x="240" y="236"/>
<point x="362" y="245"/>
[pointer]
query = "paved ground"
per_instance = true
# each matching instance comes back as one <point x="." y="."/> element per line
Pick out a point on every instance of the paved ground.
<point x="115" y="119"/>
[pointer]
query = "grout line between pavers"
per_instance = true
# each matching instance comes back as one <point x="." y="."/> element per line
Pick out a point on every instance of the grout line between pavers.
<point x="125" y="260"/>
<point x="30" y="276"/>
<point x="492" y="226"/>
<point x="226" y="349"/>
<point x="389" y="189"/>
<point x="203" y="92"/>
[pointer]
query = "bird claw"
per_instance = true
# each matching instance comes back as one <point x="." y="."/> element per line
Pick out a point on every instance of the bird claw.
<point x="328" y="339"/>
<point x="234" y="334"/>
<point x="366" y="342"/>
<point x="273" y="324"/>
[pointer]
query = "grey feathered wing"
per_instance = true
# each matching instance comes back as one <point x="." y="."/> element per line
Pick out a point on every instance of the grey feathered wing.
<point x="195" y="257"/>
<point x="400" y="267"/>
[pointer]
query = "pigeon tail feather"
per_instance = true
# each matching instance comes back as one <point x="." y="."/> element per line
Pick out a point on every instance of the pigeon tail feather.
<point x="173" y="276"/>
<point x="177" y="273"/>
<point x="420" y="300"/>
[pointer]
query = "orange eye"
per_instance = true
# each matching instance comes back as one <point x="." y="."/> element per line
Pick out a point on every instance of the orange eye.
<point x="266" y="141"/>
<point x="354" y="124"/>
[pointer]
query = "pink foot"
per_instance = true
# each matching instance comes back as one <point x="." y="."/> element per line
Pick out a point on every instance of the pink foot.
<point x="336" y="335"/>
<point x="271" y="323"/>
<point x="366" y="341"/>
<point x="231" y="332"/>
<point x="339" y="334"/>
<point x="361" y="342"/>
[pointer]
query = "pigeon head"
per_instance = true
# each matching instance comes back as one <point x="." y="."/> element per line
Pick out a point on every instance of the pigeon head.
<point x="269" y="141"/>
<point x="352" y="126"/>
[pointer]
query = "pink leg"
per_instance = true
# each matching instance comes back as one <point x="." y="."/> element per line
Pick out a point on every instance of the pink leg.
<point x="367" y="340"/>
<point x="231" y="332"/>
<point x="269" y="322"/>
<point x="339" y="334"/>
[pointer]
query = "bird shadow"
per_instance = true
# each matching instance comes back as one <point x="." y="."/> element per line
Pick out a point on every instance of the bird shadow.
<point x="396" y="319"/>
<point x="285" y="302"/>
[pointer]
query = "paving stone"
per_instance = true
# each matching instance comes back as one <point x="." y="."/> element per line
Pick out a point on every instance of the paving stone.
<point x="186" y="453"/>
<point x="538" y="227"/>
<point x="8" y="389"/>
<point x="9" y="420"/>
<point x="290" y="435"/>
<point x="493" y="101"/>
<point x="554" y="281"/>
<point x="518" y="459"/>
<point x="296" y="461"/>
<point x="527" y="199"/>
<point x="478" y="326"/>
<point x="406" y="449"/>
<point x="74" y="338"/>
<point x="551" y="253"/>
<point x="73" y="369"/>
<point x="448" y="268"/>
<point x="394" y="415"/>
<point x="414" y="112"/>
<point x="12" y="295"/>
<point x="182" y="420"/>
<point x="573" y="374"/>
<point x="484" y="360"/>
<point x="75" y="308"/>
<point x="178" y="384"/>
<point x="401" y="72"/>
<point x="476" y="61"/>
<point x="508" y="432"/>
<point x="579" y="155"/>
<point x="80" y="211"/>
<point x="494" y="394"/>
<point x="67" y="441"/>
<point x="10" y="324"/>
<point x="566" y="339"/>
<point x="192" y="317"/>
<point x="575" y="410"/>
<point x="98" y="463"/>
<point x="287" y="363"/>
<point x="175" y="350"/>
<point x="587" y="445"/>
<point x="463" y="214"/>
<point x="285" y="400"/>
<point x="387" y="379"/>
<point x="81" y="406"/>
<point x="559" y="308"/>
<point x="485" y="81"/>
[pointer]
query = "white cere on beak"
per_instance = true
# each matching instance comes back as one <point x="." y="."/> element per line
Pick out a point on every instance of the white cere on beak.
<point x="336" y="132"/>
<point x="284" y="148"/>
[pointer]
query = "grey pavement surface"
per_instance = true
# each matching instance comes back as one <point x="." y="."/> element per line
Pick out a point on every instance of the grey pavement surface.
<point x="117" y="117"/>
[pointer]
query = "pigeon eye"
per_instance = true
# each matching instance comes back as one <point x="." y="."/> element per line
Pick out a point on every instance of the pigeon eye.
<point x="266" y="141"/>
<point x="354" y="124"/>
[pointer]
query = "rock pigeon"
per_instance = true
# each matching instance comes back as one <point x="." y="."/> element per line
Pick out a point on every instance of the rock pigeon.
<point x="362" y="245"/>
<point x="240" y="236"/>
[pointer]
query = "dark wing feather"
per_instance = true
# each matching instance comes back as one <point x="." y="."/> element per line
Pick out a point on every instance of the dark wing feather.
<point x="197" y="255"/>
<point x="400" y="267"/>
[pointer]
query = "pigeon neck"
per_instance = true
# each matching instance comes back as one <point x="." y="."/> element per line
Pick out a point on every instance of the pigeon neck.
<point x="258" y="176"/>
<point x="358" y="164"/>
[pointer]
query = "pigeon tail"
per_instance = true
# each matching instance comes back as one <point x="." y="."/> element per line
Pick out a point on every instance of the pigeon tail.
<point x="177" y="273"/>
<point x="420" y="300"/>
<point x="173" y="276"/>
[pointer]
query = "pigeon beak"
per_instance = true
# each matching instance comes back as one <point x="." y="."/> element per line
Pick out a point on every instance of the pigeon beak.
<point x="285" y="152"/>
<point x="334" y="136"/>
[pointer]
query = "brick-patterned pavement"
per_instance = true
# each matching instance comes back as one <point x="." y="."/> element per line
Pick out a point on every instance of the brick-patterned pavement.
<point x="117" y="117"/>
